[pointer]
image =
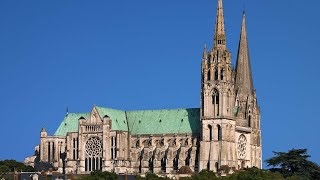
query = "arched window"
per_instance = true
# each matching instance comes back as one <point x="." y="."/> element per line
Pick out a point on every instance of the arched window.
<point x="249" y="121"/>
<point x="215" y="102"/>
<point x="210" y="132"/>
<point x="221" y="74"/>
<point x="209" y="75"/>
<point x="219" y="133"/>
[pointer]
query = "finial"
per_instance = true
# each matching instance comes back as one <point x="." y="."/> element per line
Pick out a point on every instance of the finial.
<point x="67" y="111"/>
<point x="204" y="56"/>
<point x="244" y="5"/>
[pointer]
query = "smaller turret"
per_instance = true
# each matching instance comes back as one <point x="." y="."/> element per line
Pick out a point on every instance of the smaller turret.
<point x="43" y="133"/>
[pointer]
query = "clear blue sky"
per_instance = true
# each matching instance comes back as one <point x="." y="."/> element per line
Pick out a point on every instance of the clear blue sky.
<point x="146" y="55"/>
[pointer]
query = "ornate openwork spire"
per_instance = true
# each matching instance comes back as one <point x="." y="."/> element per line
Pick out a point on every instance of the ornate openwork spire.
<point x="244" y="82"/>
<point x="219" y="33"/>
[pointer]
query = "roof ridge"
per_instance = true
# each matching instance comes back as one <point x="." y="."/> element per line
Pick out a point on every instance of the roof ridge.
<point x="161" y="109"/>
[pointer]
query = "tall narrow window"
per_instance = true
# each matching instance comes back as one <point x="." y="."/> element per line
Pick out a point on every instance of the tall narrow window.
<point x="113" y="147"/>
<point x="77" y="151"/>
<point x="140" y="161"/>
<point x="216" y="74"/>
<point x="219" y="133"/>
<point x="249" y="121"/>
<point x="163" y="164"/>
<point x="222" y="74"/>
<point x="49" y="152"/>
<point x="175" y="163"/>
<point x="202" y="104"/>
<point x="210" y="132"/>
<point x="209" y="75"/>
<point x="151" y="165"/>
<point x="53" y="151"/>
<point x="187" y="162"/>
<point x="215" y="102"/>
<point x="86" y="164"/>
<point x="74" y="148"/>
<point x="217" y="166"/>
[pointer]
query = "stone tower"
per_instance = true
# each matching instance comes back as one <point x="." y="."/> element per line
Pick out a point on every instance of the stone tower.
<point x="230" y="116"/>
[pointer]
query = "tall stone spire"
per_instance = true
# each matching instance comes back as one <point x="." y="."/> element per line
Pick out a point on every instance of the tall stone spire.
<point x="219" y="33"/>
<point x="244" y="82"/>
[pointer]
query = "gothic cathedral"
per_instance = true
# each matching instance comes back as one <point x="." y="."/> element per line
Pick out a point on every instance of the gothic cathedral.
<point x="223" y="133"/>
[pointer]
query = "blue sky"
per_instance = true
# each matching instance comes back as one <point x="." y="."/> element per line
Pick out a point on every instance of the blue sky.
<point x="146" y="55"/>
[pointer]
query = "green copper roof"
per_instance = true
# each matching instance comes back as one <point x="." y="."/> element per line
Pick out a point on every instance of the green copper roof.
<point x="70" y="123"/>
<point x="169" y="121"/>
<point x="118" y="118"/>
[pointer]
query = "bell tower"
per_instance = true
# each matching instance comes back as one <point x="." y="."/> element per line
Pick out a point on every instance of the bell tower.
<point x="217" y="143"/>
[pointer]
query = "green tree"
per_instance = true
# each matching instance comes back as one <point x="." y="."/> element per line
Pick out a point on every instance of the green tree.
<point x="150" y="176"/>
<point x="13" y="165"/>
<point x="255" y="174"/>
<point x="204" y="175"/>
<point x="98" y="175"/>
<point x="294" y="164"/>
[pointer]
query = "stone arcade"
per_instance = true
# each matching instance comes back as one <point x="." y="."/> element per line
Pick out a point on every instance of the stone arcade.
<point x="224" y="131"/>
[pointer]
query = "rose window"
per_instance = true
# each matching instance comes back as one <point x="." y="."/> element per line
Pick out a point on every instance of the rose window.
<point x="94" y="147"/>
<point x="242" y="144"/>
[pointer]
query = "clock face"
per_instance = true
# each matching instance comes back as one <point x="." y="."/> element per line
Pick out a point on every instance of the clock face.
<point x="242" y="144"/>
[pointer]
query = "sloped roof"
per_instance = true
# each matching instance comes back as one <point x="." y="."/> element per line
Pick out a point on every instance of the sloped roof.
<point x="166" y="121"/>
<point x="70" y="123"/>
<point x="118" y="118"/>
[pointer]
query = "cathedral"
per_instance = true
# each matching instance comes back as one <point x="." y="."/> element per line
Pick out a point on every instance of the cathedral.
<point x="223" y="133"/>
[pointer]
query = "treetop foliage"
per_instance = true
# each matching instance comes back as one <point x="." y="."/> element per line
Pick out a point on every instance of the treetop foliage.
<point x="294" y="164"/>
<point x="13" y="165"/>
<point x="98" y="175"/>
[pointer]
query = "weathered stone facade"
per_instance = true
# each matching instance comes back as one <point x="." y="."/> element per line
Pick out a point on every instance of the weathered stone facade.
<point x="224" y="131"/>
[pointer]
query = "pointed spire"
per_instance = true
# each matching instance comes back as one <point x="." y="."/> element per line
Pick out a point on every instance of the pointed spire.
<point x="219" y="33"/>
<point x="244" y="83"/>
<point x="204" y="56"/>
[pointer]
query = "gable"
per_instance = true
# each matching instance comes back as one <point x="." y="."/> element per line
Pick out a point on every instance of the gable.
<point x="118" y="118"/>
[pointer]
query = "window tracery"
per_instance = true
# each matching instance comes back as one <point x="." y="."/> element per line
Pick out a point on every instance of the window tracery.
<point x="93" y="149"/>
